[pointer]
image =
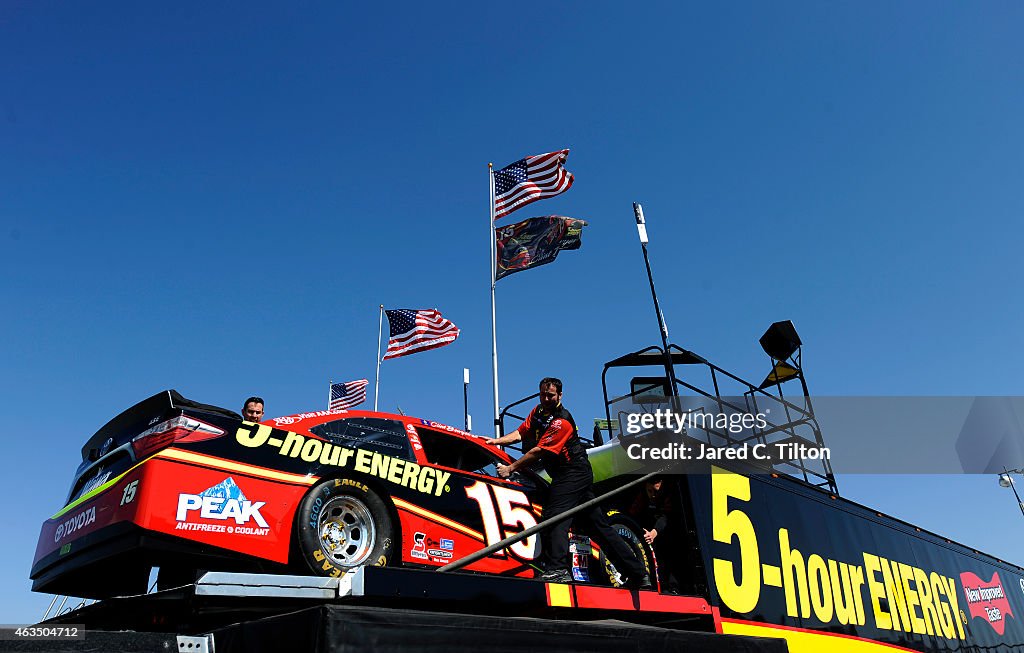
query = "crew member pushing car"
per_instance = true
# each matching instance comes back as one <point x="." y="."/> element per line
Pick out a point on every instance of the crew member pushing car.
<point x="549" y="437"/>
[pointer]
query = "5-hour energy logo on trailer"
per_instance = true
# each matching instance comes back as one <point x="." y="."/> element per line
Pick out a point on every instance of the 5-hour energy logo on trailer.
<point x="890" y="594"/>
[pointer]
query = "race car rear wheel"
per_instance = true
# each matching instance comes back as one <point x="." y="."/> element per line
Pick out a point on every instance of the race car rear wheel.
<point x="632" y="534"/>
<point x="343" y="524"/>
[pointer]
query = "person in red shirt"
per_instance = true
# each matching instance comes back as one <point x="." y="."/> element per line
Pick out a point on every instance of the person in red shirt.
<point x="549" y="437"/>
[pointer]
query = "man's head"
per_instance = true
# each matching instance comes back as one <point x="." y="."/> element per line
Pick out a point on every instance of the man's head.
<point x="654" y="486"/>
<point x="550" y="393"/>
<point x="252" y="409"/>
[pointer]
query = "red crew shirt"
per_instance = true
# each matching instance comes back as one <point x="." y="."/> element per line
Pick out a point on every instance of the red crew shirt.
<point x="554" y="438"/>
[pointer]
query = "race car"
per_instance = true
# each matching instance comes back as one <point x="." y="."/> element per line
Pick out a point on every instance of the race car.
<point x="184" y="486"/>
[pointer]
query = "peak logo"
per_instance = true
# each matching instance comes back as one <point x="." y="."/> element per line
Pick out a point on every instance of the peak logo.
<point x="987" y="600"/>
<point x="221" y="502"/>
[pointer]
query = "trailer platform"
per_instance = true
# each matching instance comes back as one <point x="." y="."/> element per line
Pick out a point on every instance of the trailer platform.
<point x="386" y="609"/>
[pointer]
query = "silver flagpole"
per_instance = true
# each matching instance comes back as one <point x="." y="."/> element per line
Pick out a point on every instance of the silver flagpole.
<point x="494" y="324"/>
<point x="465" y="397"/>
<point x="330" y="386"/>
<point x="376" y="385"/>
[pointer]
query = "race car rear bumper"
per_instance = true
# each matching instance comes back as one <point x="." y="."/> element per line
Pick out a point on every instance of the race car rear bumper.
<point x="117" y="561"/>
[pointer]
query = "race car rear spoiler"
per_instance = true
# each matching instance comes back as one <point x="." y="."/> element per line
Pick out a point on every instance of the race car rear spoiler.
<point x="143" y="414"/>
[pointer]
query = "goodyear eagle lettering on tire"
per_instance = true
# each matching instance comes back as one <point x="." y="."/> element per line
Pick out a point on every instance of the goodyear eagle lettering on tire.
<point x="343" y="524"/>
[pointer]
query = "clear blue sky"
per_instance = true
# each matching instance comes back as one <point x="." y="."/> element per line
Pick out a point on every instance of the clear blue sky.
<point x="216" y="198"/>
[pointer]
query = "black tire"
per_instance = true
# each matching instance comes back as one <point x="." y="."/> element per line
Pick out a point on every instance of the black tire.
<point x="632" y="535"/>
<point x="343" y="524"/>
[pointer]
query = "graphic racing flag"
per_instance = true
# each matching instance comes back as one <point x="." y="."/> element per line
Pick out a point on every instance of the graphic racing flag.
<point x="346" y="395"/>
<point x="534" y="242"/>
<point x="413" y="331"/>
<point x="530" y="179"/>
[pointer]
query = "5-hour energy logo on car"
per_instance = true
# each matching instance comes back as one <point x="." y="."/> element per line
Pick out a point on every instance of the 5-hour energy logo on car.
<point x="223" y="502"/>
<point x="426" y="480"/>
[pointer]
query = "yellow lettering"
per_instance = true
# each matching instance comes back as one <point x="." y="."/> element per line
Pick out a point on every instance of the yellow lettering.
<point x="252" y="435"/>
<point x="856" y="580"/>
<point x="821" y="592"/>
<point x="427" y="479"/>
<point x="877" y="591"/>
<point x="945" y="619"/>
<point x="292" y="444"/>
<point x="311" y="450"/>
<point x="954" y="603"/>
<point x="793" y="569"/>
<point x="395" y="475"/>
<point x="927" y="609"/>
<point x="839" y="577"/>
<point x="379" y="465"/>
<point x="728" y="525"/>
<point x="330" y="454"/>
<point x="409" y="475"/>
<point x="910" y="594"/>
<point x="346" y="453"/>
<point x="350" y="482"/>
<point x="363" y="460"/>
<point x="442" y="480"/>
<point x="894" y="594"/>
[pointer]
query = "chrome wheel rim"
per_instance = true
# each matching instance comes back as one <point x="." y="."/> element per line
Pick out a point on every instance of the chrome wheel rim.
<point x="347" y="531"/>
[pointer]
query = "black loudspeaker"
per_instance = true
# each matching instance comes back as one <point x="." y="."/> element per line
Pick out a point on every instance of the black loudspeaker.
<point x="780" y="340"/>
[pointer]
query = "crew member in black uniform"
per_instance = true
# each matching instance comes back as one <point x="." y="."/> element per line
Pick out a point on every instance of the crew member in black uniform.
<point x="549" y="437"/>
<point x="655" y="509"/>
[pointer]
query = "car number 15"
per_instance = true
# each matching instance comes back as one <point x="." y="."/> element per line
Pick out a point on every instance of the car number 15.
<point x="512" y="507"/>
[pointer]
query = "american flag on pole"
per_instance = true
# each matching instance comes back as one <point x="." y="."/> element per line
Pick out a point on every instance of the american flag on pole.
<point x="413" y="331"/>
<point x="530" y="179"/>
<point x="346" y="395"/>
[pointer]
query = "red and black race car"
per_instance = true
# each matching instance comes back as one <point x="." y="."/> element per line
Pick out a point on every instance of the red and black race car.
<point x="184" y="486"/>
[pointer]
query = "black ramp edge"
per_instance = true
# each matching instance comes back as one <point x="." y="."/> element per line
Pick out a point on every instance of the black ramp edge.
<point x="356" y="629"/>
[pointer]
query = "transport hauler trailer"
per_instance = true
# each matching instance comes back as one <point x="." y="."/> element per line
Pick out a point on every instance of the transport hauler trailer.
<point x="783" y="559"/>
<point x="772" y="546"/>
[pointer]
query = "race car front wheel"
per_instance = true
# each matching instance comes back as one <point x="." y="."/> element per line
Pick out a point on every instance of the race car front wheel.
<point x="343" y="524"/>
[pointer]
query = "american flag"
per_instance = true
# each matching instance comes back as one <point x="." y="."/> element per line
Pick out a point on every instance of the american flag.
<point x="346" y="395"/>
<point x="530" y="179"/>
<point x="413" y="331"/>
